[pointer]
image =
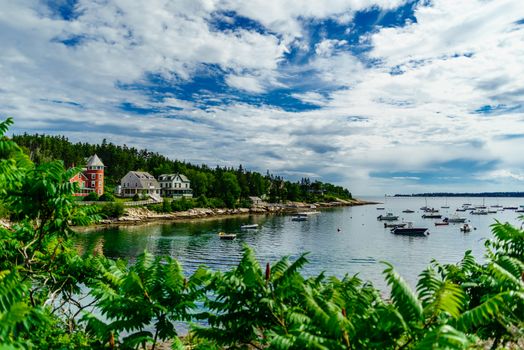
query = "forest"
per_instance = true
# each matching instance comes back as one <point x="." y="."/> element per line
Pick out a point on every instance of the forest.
<point x="227" y="184"/>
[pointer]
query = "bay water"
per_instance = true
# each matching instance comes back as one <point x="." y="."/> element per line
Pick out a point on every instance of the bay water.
<point x="339" y="241"/>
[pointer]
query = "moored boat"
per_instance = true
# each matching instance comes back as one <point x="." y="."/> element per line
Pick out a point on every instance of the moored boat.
<point x="410" y="230"/>
<point x="308" y="213"/>
<point x="394" y="225"/>
<point x="224" y="235"/>
<point x="465" y="228"/>
<point x="510" y="208"/>
<point x="409" y="211"/>
<point x="387" y="217"/>
<point x="432" y="216"/>
<point x="249" y="227"/>
<point x="456" y="219"/>
<point x="441" y="223"/>
<point x="298" y="218"/>
<point x="479" y="212"/>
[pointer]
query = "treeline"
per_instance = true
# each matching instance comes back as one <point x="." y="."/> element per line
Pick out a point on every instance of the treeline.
<point x="228" y="184"/>
<point x="44" y="281"/>
<point x="464" y="194"/>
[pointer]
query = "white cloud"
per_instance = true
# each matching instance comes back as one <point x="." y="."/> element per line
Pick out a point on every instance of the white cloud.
<point x="457" y="57"/>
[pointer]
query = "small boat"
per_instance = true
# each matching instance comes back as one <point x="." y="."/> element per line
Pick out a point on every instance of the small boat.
<point x="455" y="219"/>
<point x="380" y="208"/>
<point x="249" y="227"/>
<point x="496" y="206"/>
<point x="465" y="228"/>
<point x="410" y="230"/>
<point x="441" y="223"/>
<point x="224" y="235"/>
<point x="519" y="210"/>
<point x="408" y="211"/>
<point x="461" y="209"/>
<point x="431" y="210"/>
<point x="479" y="212"/>
<point x="445" y="207"/>
<point x="510" y="208"/>
<point x="386" y="225"/>
<point x="387" y="217"/>
<point x="492" y="211"/>
<point x="308" y="213"/>
<point x="298" y="218"/>
<point x="431" y="216"/>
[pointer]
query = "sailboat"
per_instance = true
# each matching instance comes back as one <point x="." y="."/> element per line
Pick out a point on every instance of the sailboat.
<point x="445" y="206"/>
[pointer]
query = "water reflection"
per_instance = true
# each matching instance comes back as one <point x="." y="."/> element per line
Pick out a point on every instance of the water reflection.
<point x="339" y="241"/>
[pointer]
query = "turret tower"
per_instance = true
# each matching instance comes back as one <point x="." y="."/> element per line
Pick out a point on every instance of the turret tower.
<point x="95" y="174"/>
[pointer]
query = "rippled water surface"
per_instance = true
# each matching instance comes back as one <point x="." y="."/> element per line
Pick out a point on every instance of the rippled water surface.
<point x="359" y="247"/>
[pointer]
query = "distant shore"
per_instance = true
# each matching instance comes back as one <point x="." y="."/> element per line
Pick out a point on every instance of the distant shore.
<point x="143" y="216"/>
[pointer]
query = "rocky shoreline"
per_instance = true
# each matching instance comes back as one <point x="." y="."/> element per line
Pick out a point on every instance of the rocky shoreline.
<point x="142" y="215"/>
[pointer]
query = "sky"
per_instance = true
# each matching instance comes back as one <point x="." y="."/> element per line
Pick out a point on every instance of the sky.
<point x="379" y="96"/>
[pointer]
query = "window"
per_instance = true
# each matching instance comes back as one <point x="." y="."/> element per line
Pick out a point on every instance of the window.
<point x="93" y="176"/>
<point x="100" y="176"/>
<point x="92" y="184"/>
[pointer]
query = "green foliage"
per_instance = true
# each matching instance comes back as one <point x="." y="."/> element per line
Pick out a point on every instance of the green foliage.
<point x="112" y="210"/>
<point x="136" y="197"/>
<point x="153" y="291"/>
<point x="227" y="184"/>
<point x="91" y="197"/>
<point x="182" y="204"/>
<point x="107" y="197"/>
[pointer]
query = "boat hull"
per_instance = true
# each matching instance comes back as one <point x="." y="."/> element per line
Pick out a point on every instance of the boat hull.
<point x="432" y="216"/>
<point x="414" y="231"/>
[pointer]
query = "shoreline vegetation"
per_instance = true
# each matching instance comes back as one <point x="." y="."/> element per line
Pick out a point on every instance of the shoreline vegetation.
<point x="143" y="215"/>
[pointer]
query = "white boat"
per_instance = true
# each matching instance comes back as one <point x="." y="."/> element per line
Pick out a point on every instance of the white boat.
<point x="387" y="217"/>
<point x="465" y="228"/>
<point x="308" y="213"/>
<point x="456" y="219"/>
<point x="298" y="218"/>
<point x="224" y="235"/>
<point x="248" y="227"/>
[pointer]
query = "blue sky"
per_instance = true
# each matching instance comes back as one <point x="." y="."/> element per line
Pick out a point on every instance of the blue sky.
<point x="379" y="96"/>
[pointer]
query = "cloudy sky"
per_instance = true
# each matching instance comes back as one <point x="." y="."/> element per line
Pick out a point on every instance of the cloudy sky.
<point x="381" y="96"/>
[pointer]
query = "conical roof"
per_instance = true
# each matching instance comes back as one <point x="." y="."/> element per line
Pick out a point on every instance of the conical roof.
<point x="94" y="161"/>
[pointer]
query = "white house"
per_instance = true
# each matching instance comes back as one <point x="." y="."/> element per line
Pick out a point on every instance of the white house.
<point x="139" y="182"/>
<point x="175" y="185"/>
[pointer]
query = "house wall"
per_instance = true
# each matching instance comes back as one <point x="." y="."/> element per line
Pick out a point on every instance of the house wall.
<point x="95" y="179"/>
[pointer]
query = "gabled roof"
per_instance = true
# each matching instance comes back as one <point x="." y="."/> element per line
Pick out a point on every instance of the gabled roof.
<point x="144" y="179"/>
<point x="171" y="177"/>
<point x="94" y="161"/>
<point x="143" y="175"/>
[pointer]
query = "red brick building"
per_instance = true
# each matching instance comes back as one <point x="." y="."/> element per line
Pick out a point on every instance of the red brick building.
<point x="91" y="179"/>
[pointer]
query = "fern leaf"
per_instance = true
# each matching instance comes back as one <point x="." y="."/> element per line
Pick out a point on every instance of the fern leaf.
<point x="403" y="297"/>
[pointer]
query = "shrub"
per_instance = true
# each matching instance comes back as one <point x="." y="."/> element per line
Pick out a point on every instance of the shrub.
<point x="182" y="204"/>
<point x="216" y="203"/>
<point x="245" y="203"/>
<point x="136" y="197"/>
<point x="113" y="210"/>
<point x="91" y="197"/>
<point x="202" y="201"/>
<point x="107" y="197"/>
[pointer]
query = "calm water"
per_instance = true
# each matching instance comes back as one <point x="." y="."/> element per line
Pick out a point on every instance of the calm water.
<point x="359" y="247"/>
